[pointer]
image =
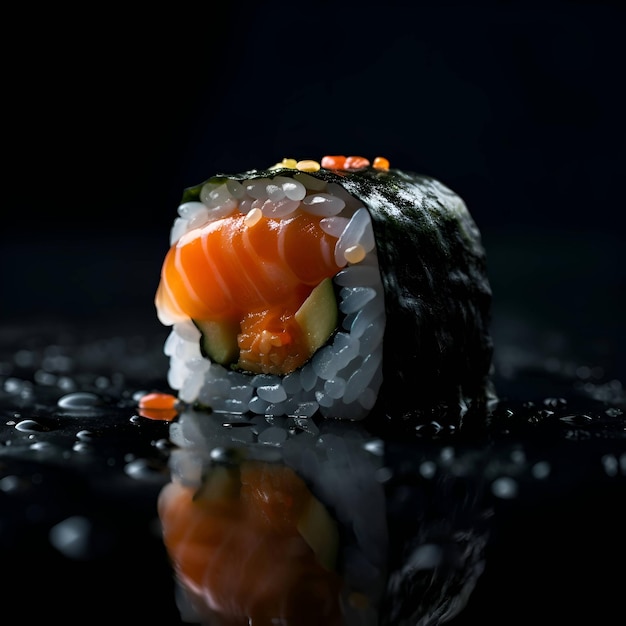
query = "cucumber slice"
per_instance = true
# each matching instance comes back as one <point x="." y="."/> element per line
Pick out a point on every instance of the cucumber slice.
<point x="219" y="340"/>
<point x="318" y="315"/>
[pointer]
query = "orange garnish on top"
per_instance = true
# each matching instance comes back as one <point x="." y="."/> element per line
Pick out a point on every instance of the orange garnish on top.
<point x="356" y="163"/>
<point x="340" y="162"/>
<point x="381" y="163"/>
<point x="334" y="162"/>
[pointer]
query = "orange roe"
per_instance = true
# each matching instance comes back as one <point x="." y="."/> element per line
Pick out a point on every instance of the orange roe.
<point x="334" y="162"/>
<point x="381" y="163"/>
<point x="355" y="163"/>
<point x="158" y="406"/>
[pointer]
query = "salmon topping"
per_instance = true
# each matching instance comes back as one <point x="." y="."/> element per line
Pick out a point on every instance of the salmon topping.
<point x="250" y="277"/>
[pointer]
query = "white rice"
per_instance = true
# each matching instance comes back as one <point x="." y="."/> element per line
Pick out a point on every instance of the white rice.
<point x="343" y="378"/>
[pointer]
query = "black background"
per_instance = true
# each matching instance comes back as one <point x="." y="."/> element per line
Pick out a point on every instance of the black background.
<point x="519" y="107"/>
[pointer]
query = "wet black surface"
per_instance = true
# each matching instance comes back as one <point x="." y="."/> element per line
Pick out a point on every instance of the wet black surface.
<point x="526" y="502"/>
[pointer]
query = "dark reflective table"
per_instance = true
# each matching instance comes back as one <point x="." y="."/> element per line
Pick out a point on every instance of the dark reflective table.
<point x="511" y="513"/>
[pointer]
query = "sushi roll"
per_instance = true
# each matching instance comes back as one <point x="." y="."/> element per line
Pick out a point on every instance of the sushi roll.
<point x="337" y="288"/>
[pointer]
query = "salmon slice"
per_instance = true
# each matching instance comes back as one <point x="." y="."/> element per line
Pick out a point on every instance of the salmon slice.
<point x="249" y="278"/>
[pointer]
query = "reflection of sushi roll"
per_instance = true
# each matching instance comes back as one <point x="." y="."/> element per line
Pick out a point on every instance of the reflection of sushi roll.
<point x="286" y="287"/>
<point x="259" y="529"/>
<point x="252" y="544"/>
<point x="266" y="523"/>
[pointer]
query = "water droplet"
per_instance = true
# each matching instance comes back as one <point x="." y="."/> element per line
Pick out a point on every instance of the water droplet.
<point x="163" y="444"/>
<point x="142" y="469"/>
<point x="429" y="429"/>
<point x="225" y="456"/>
<point x="14" y="385"/>
<point x="25" y="358"/>
<point x="541" y="469"/>
<point x="610" y="464"/>
<point x="447" y="454"/>
<point x="71" y="537"/>
<point x="555" y="402"/>
<point x="79" y="400"/>
<point x="576" y="419"/>
<point x="29" y="426"/>
<point x="41" y="445"/>
<point x="45" y="378"/>
<point x="427" y="469"/>
<point x="65" y="383"/>
<point x="518" y="457"/>
<point x="84" y="435"/>
<point x="57" y="363"/>
<point x="10" y="483"/>
<point x="504" y="487"/>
